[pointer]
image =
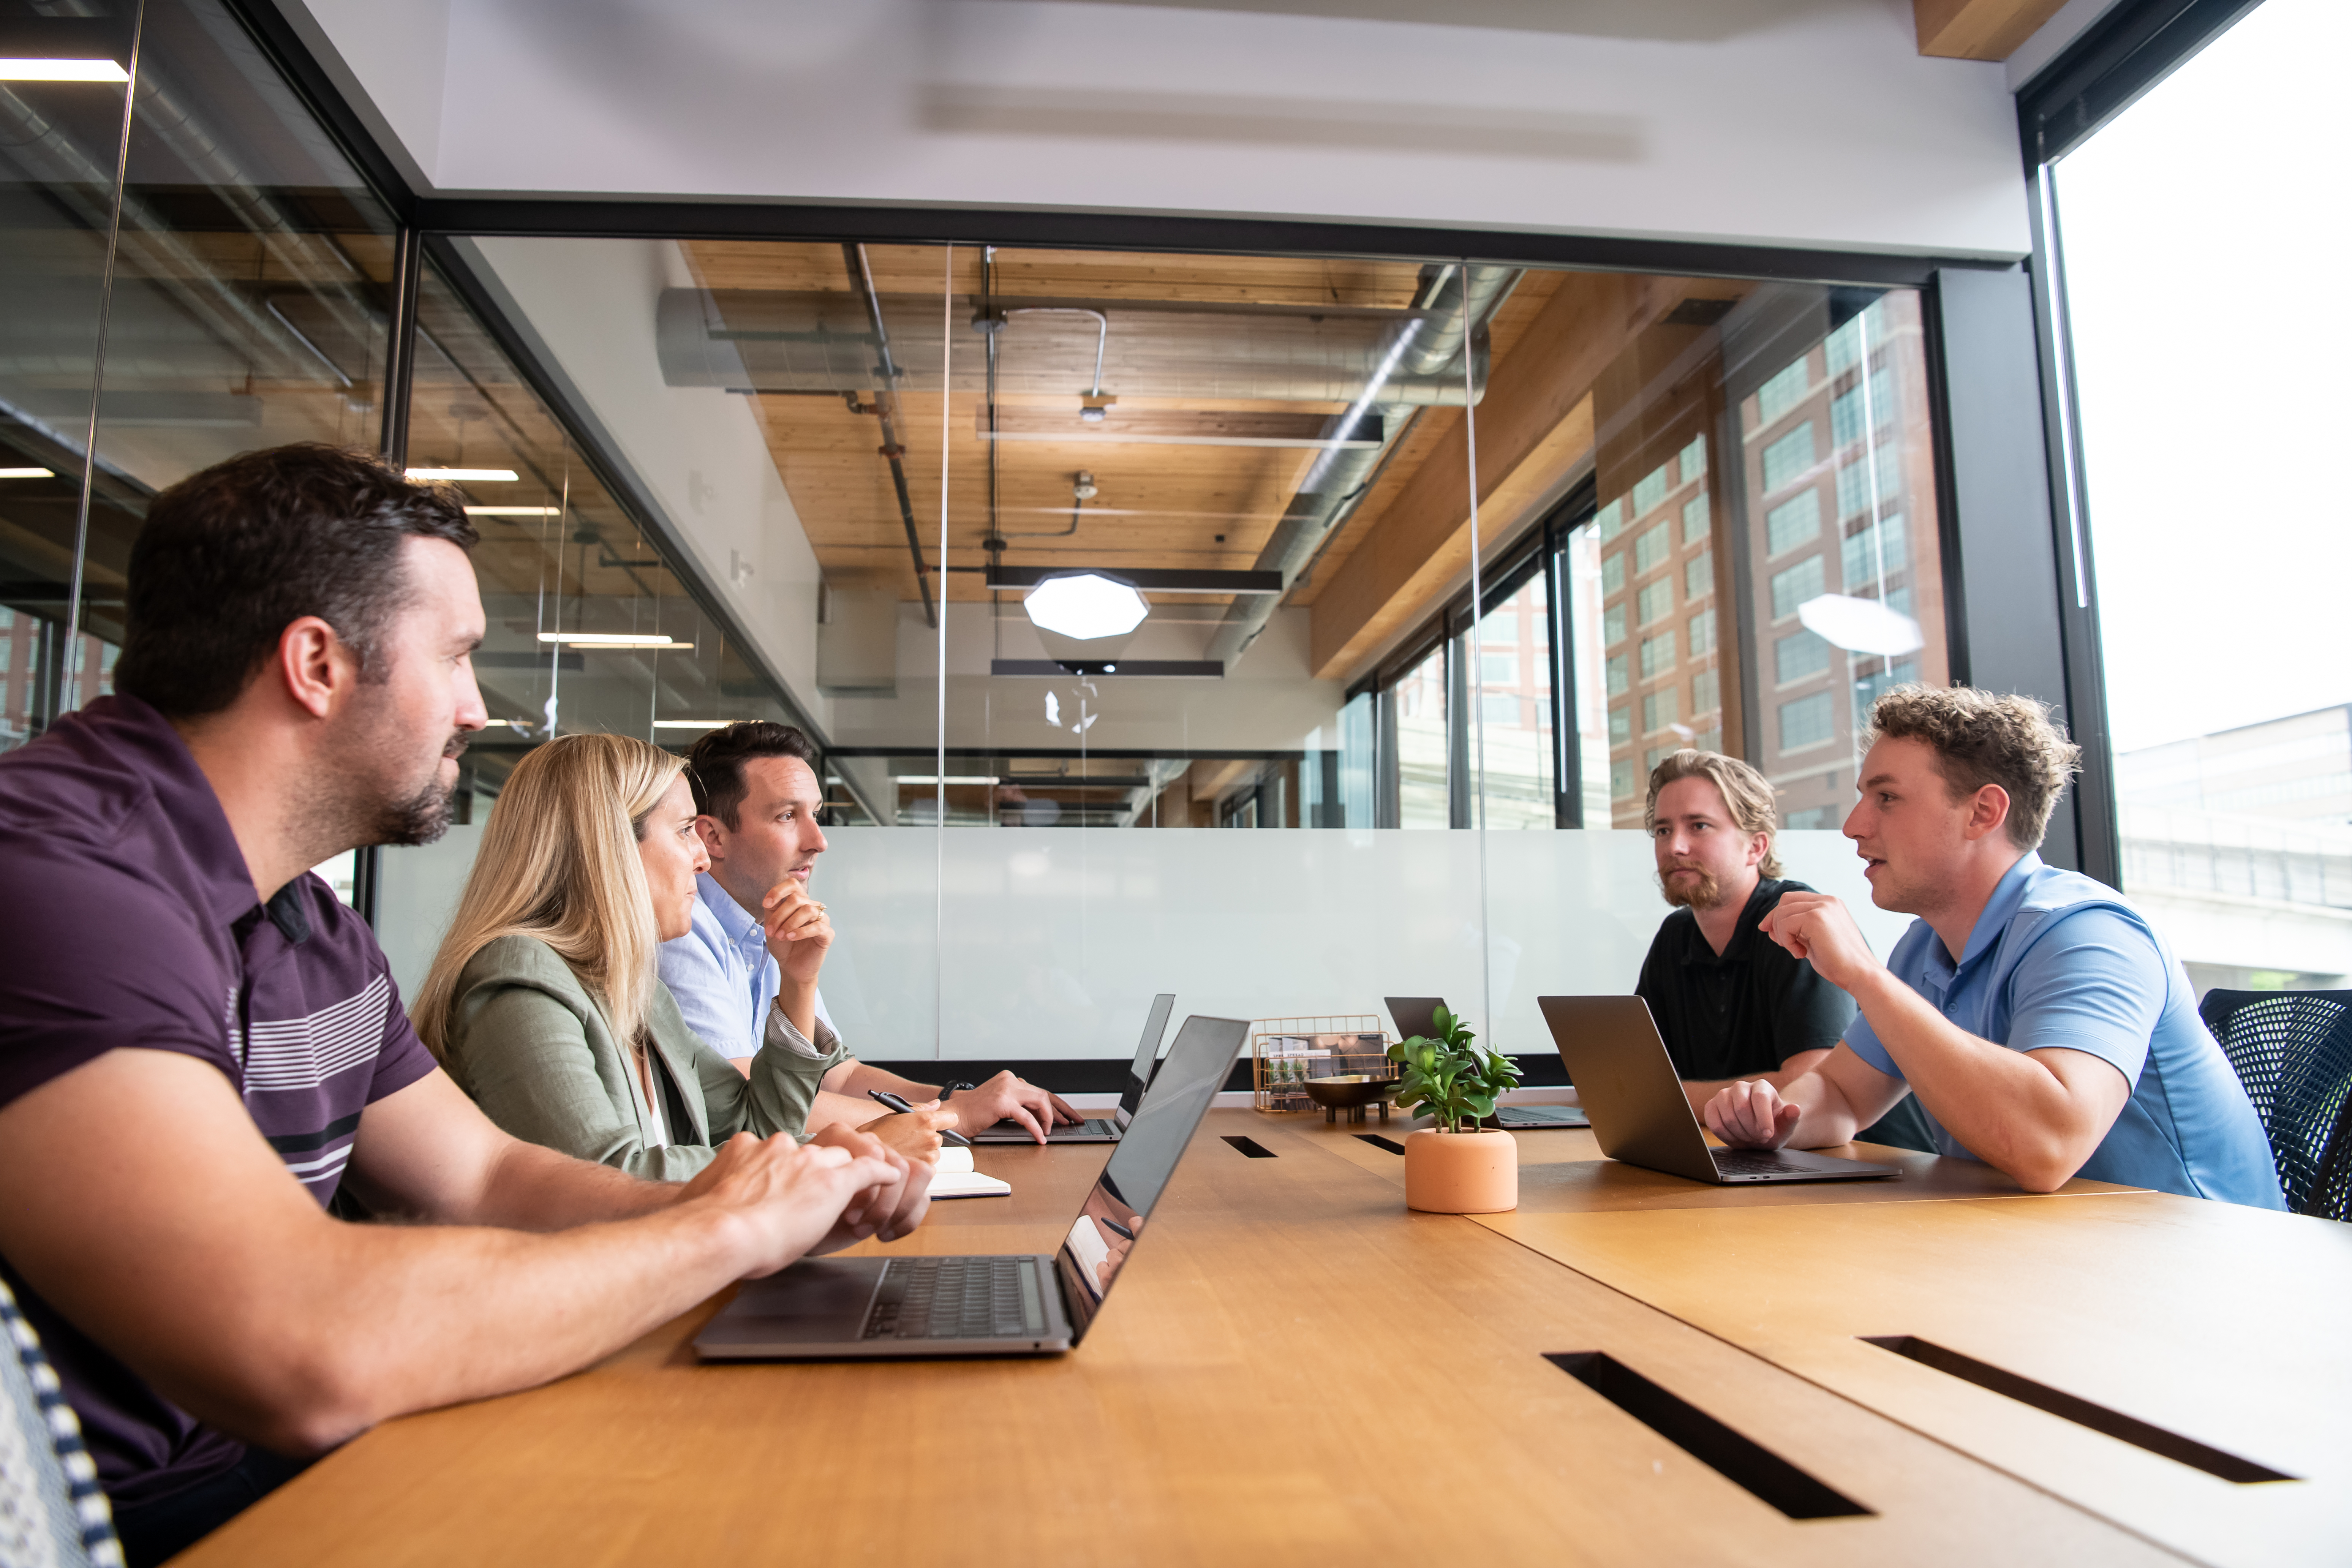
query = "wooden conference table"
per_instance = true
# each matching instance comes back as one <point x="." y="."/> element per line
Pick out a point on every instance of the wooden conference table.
<point x="1296" y="1368"/>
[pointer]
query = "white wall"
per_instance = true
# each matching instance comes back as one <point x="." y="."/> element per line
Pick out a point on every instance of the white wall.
<point x="1057" y="939"/>
<point x="701" y="452"/>
<point x="1797" y="121"/>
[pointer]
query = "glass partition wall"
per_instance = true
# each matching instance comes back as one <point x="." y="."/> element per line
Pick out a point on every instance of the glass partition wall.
<point x="1349" y="565"/>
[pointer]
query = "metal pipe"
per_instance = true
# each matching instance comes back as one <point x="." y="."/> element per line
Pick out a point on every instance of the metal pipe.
<point x="885" y="409"/>
<point x="1102" y="330"/>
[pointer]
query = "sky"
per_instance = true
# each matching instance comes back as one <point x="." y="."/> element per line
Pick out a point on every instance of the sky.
<point x="2205" y="228"/>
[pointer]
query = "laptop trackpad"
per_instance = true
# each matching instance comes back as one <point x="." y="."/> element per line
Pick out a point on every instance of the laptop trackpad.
<point x="817" y="1301"/>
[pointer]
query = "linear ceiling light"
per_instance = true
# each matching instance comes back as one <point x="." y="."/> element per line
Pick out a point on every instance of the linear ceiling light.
<point x="61" y="70"/>
<point x="692" y="723"/>
<point x="28" y="474"/>
<point x="1086" y="606"/>
<point x="614" y="639"/>
<point x="510" y="510"/>
<point x="462" y="475"/>
<point x="951" y="779"/>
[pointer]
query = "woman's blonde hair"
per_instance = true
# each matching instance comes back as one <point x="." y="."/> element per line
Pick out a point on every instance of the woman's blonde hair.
<point x="559" y="862"/>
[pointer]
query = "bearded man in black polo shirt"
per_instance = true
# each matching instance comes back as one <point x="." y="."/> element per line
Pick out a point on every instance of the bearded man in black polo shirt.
<point x="1730" y="1002"/>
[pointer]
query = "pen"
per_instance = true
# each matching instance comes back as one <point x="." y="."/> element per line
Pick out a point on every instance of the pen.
<point x="895" y="1103"/>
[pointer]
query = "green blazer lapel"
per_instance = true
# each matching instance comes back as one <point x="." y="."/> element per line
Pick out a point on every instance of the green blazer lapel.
<point x="676" y="1045"/>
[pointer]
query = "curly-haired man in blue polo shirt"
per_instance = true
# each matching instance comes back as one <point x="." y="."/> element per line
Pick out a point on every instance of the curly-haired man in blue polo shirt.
<point x="2043" y="1024"/>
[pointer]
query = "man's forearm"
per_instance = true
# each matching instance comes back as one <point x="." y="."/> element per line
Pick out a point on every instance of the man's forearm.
<point x="2002" y="1105"/>
<point x="532" y="1188"/>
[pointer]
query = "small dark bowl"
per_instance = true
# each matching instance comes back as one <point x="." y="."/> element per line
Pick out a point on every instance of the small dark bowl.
<point x="1346" y="1091"/>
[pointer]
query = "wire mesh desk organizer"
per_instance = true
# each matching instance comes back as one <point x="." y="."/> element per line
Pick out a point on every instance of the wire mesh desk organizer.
<point x="1345" y="1057"/>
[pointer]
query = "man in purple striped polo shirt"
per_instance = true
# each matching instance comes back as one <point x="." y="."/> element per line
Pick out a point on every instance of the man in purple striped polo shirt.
<point x="199" y="1046"/>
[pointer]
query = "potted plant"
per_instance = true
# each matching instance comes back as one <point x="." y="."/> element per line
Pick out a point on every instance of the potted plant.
<point x="1456" y="1166"/>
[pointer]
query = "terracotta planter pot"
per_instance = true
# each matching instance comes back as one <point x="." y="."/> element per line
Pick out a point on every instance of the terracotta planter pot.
<point x="1461" y="1173"/>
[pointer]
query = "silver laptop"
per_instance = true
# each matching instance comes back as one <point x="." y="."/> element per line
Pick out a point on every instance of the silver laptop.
<point x="1418" y="1016"/>
<point x="1618" y="1062"/>
<point x="828" y="1309"/>
<point x="1096" y="1129"/>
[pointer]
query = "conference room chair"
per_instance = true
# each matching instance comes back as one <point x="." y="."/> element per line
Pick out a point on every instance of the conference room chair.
<point x="2292" y="1050"/>
<point x="51" y="1511"/>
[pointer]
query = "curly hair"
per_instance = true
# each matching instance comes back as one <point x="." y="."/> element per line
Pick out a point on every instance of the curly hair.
<point x="1979" y="739"/>
<point x="1746" y="794"/>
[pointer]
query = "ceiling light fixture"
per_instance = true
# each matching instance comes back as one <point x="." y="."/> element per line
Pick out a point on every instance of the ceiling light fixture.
<point x="61" y="70"/>
<point x="951" y="779"/>
<point x="614" y="639"/>
<point x="1860" y="625"/>
<point x="692" y="723"/>
<point x="1086" y="606"/>
<point x="512" y="511"/>
<point x="27" y="473"/>
<point x="465" y="476"/>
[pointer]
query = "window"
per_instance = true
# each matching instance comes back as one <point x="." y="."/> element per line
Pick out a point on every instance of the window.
<point x="1652" y="548"/>
<point x="1613" y="625"/>
<point x="1698" y="576"/>
<point x="1786" y="459"/>
<point x="1500" y="629"/>
<point x="1795" y="658"/>
<point x="1652" y="489"/>
<point x="1499" y="669"/>
<point x="1702" y="633"/>
<point x="1621" y="778"/>
<point x="1655" y="600"/>
<point x="1503" y="711"/>
<point x="1782" y="392"/>
<point x="1793" y="523"/>
<point x="1521" y="766"/>
<point x="1869" y="688"/>
<point x="1616" y="672"/>
<point x="1813" y="817"/>
<point x="1845" y="411"/>
<point x="1621" y="725"/>
<point x="1854" y="482"/>
<point x="1611" y="518"/>
<point x="1805" y="721"/>
<point x="1422" y="746"/>
<point x="1694" y="460"/>
<point x="1794" y="586"/>
<point x="1844" y="345"/>
<point x="1657" y="654"/>
<point x="1658" y="711"/>
<point x="1612" y="572"/>
<point x="1706" y="695"/>
<point x="1695" y="520"/>
<point x="1864" y="560"/>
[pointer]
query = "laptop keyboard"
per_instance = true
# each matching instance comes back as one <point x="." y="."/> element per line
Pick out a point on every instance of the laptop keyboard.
<point x="957" y="1298"/>
<point x="1094" y="1127"/>
<point x="1752" y="1161"/>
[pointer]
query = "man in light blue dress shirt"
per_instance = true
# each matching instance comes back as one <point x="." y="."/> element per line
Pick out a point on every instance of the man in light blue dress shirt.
<point x="747" y="971"/>
<point x="2041" y="1021"/>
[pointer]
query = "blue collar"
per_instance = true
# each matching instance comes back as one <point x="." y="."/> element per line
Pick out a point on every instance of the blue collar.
<point x="1994" y="917"/>
<point x="738" y="923"/>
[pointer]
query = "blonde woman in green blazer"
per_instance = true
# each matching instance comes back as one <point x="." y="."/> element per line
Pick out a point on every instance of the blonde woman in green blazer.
<point x="544" y="1003"/>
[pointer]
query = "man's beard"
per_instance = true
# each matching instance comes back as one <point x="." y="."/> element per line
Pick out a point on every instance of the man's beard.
<point x="1704" y="895"/>
<point x="421" y="818"/>
<point x="373" y="797"/>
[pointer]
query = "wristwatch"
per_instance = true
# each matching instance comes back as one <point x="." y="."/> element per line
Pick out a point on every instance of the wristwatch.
<point x="948" y="1093"/>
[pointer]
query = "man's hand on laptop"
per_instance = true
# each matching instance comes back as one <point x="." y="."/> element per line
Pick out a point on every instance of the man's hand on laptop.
<point x="1005" y="1098"/>
<point x="815" y="1198"/>
<point x="1750" y="1114"/>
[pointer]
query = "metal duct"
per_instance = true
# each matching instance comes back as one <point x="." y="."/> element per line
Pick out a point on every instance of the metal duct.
<point x="772" y="341"/>
<point x="1456" y="303"/>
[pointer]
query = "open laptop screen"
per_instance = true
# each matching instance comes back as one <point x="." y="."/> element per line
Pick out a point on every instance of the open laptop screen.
<point x="1147" y="1052"/>
<point x="1143" y="1159"/>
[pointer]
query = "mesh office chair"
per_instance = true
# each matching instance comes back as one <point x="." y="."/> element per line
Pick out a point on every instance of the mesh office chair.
<point x="51" y="1512"/>
<point x="2292" y="1050"/>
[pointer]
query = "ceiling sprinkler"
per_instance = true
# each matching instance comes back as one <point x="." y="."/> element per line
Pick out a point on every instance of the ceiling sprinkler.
<point x="1085" y="489"/>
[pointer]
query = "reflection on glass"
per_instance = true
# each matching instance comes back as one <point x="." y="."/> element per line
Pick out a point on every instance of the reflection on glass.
<point x="589" y="628"/>
<point x="59" y="145"/>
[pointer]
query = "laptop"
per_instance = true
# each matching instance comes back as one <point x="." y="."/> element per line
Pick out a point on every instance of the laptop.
<point x="1096" y="1129"/>
<point x="1418" y="1016"/>
<point x="830" y="1309"/>
<point x="1618" y="1061"/>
